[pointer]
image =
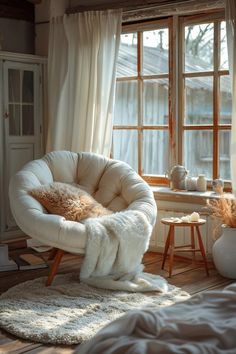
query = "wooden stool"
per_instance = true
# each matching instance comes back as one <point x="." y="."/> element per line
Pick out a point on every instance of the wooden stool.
<point x="170" y="241"/>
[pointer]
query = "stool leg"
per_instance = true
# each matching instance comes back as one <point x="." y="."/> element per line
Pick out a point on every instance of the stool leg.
<point x="193" y="243"/>
<point x="54" y="267"/>
<point x="172" y="246"/>
<point x="166" y="249"/>
<point x="202" y="249"/>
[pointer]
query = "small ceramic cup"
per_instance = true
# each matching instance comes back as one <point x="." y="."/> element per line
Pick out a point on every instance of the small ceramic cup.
<point x="218" y="185"/>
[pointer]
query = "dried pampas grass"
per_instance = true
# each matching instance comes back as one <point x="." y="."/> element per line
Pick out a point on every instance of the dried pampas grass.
<point x="224" y="209"/>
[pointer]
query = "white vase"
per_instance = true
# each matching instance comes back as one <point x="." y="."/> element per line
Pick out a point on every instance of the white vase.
<point x="224" y="252"/>
<point x="201" y="183"/>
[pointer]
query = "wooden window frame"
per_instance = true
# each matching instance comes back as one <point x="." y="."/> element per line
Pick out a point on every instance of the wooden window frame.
<point x="176" y="94"/>
<point x="216" y="74"/>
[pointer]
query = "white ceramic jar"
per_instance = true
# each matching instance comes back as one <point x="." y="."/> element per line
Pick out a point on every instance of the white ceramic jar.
<point x="201" y="183"/>
<point x="191" y="183"/>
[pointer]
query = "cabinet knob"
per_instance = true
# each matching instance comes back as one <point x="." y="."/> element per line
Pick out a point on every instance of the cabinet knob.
<point x="6" y="115"/>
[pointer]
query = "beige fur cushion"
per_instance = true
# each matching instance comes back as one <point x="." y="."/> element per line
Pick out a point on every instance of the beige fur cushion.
<point x="66" y="200"/>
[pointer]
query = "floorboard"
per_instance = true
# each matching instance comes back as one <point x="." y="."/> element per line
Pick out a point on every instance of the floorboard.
<point x="189" y="276"/>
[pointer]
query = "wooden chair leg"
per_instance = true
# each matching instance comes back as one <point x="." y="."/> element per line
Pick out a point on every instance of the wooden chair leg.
<point x="52" y="254"/>
<point x="54" y="267"/>
<point x="202" y="250"/>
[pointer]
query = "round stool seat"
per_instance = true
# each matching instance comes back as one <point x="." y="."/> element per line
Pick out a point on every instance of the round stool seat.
<point x="170" y="221"/>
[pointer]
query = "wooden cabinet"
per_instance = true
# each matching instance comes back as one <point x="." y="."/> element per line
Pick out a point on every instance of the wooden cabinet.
<point x="21" y="108"/>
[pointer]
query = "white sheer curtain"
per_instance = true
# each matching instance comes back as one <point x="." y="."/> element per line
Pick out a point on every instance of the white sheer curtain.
<point x="230" y="12"/>
<point x="83" y="50"/>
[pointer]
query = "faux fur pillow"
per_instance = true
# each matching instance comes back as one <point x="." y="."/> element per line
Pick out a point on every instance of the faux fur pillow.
<point x="71" y="202"/>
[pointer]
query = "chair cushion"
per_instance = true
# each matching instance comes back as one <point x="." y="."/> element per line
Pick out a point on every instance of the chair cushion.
<point x="73" y="203"/>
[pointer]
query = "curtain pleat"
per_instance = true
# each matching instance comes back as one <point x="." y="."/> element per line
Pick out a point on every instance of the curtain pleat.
<point x="83" y="50"/>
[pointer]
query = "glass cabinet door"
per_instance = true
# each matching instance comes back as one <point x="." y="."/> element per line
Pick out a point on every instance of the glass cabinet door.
<point x="21" y="102"/>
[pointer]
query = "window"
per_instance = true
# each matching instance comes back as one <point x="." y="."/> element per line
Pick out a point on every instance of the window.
<point x="141" y="123"/>
<point x="160" y="121"/>
<point x="206" y="105"/>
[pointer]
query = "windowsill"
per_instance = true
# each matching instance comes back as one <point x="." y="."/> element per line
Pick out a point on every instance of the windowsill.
<point x="195" y="197"/>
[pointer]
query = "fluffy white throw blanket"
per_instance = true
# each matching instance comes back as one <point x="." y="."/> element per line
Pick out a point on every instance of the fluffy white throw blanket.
<point x="114" y="251"/>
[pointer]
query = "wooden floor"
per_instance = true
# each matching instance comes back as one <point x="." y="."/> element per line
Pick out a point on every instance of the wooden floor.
<point x="188" y="276"/>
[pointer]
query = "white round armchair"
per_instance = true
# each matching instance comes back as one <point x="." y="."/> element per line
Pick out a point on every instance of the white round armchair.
<point x="112" y="183"/>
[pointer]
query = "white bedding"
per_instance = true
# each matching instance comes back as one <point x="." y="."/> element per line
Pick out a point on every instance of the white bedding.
<point x="203" y="324"/>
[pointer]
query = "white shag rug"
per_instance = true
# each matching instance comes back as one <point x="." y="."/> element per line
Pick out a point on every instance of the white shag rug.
<point x="70" y="312"/>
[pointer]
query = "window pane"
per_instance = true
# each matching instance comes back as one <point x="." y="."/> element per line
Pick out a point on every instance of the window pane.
<point x="155" y="152"/>
<point x="14" y="119"/>
<point x="199" y="100"/>
<point x="126" y="103"/>
<point x="27" y="120"/>
<point x="198" y="152"/>
<point x="225" y="137"/>
<point x="199" y="47"/>
<point x="14" y="85"/>
<point x="224" y="64"/>
<point x="225" y="100"/>
<point x="155" y="103"/>
<point x="28" y="86"/>
<point x="125" y="147"/>
<point x="155" y="52"/>
<point x="127" y="58"/>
